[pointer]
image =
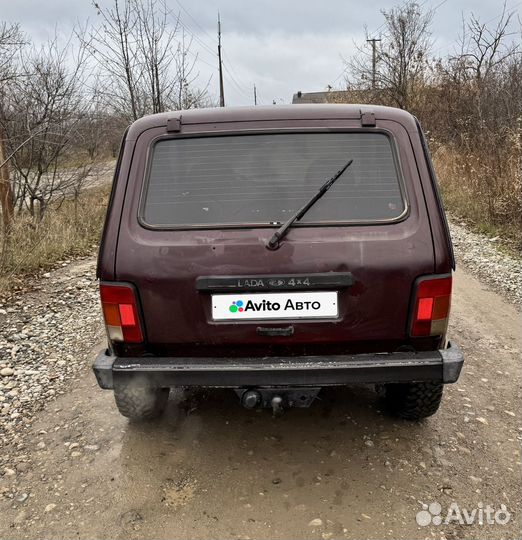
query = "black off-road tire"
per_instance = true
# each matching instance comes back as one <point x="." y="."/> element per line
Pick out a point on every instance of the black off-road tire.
<point x="140" y="402"/>
<point x="413" y="401"/>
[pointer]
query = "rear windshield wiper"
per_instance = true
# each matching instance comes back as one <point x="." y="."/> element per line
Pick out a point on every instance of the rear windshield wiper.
<point x="273" y="243"/>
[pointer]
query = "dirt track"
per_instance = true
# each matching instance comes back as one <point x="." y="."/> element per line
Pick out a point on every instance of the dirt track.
<point x="210" y="469"/>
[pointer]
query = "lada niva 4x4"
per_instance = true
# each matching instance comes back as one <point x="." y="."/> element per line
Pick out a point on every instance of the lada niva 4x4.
<point x="276" y="251"/>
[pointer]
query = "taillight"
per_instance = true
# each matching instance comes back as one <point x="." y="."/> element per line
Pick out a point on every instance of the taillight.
<point x="120" y="311"/>
<point x="432" y="306"/>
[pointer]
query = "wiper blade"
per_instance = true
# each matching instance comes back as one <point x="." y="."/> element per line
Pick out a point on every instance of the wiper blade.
<point x="273" y="243"/>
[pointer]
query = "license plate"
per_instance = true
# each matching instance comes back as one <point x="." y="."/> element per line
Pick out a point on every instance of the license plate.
<point x="291" y="305"/>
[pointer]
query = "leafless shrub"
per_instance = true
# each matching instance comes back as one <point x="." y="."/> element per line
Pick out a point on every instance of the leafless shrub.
<point x="468" y="103"/>
<point x="143" y="58"/>
<point x="43" y="105"/>
<point x="401" y="59"/>
<point x="11" y="40"/>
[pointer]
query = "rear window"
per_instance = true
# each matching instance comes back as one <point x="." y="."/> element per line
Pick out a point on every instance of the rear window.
<point x="265" y="179"/>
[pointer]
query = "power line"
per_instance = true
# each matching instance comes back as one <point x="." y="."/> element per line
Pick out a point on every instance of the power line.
<point x="241" y="81"/>
<point x="198" y="58"/>
<point x="195" y="36"/>
<point x="241" y="90"/>
<point x="196" y="22"/>
<point x="240" y="86"/>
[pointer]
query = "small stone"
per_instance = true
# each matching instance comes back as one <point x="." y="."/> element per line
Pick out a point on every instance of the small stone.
<point x="50" y="507"/>
<point x="317" y="522"/>
<point x="369" y="442"/>
<point x="511" y="413"/>
<point x="9" y="472"/>
<point x="276" y="481"/>
<point x="91" y="447"/>
<point x="482" y="420"/>
<point x="7" y="372"/>
<point x="326" y="536"/>
<point x="22" y="498"/>
<point x="73" y="445"/>
<point x="475" y="479"/>
<point x="40" y="445"/>
<point x="76" y="454"/>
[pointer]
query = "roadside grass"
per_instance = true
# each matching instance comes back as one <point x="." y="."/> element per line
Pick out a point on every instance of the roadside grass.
<point x="69" y="229"/>
<point x="483" y="192"/>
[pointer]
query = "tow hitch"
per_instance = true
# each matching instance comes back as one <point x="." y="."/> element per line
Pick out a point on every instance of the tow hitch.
<point x="276" y="399"/>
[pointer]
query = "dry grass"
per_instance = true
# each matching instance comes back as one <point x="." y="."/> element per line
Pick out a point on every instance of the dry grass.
<point x="483" y="188"/>
<point x="67" y="230"/>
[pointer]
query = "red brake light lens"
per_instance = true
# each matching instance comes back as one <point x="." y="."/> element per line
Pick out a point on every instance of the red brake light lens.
<point x="120" y="311"/>
<point x="432" y="306"/>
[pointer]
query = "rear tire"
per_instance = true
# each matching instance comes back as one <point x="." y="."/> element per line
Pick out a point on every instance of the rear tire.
<point x="140" y="402"/>
<point x="413" y="401"/>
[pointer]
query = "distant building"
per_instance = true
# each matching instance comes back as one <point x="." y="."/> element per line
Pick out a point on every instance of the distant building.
<point x="331" y="96"/>
<point x="341" y="96"/>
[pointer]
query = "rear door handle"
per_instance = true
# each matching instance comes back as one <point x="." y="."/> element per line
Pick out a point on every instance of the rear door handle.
<point x="267" y="331"/>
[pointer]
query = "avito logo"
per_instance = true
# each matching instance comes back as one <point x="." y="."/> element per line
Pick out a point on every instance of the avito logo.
<point x="238" y="306"/>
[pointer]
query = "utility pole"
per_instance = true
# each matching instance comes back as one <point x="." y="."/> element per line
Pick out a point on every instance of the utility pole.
<point x="255" y="95"/>
<point x="374" y="60"/>
<point x="221" y="89"/>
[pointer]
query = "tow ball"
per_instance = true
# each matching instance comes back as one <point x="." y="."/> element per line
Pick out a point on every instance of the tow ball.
<point x="276" y="399"/>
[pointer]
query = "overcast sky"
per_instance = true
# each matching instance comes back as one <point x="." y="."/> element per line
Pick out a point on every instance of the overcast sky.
<point x="281" y="46"/>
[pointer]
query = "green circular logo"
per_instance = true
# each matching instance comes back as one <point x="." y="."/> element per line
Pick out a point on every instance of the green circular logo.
<point x="233" y="308"/>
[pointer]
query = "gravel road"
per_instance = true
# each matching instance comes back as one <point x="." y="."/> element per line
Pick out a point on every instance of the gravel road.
<point x="70" y="466"/>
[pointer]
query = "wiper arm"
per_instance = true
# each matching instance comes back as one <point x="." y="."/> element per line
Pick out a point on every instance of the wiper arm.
<point x="273" y="243"/>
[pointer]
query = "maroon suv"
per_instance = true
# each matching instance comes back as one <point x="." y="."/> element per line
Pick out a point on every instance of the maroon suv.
<point x="276" y="250"/>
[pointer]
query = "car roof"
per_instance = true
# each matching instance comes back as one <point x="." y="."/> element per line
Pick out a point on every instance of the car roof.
<point x="271" y="112"/>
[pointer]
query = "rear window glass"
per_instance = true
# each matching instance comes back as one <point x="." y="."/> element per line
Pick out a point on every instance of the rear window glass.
<point x="265" y="179"/>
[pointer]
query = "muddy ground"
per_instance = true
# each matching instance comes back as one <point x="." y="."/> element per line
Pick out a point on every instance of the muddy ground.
<point x="341" y="469"/>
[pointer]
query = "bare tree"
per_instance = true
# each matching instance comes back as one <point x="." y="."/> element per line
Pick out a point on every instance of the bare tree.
<point x="11" y="39"/>
<point x="139" y="53"/>
<point x="485" y="48"/>
<point x="43" y="106"/>
<point x="188" y="94"/>
<point x="402" y="59"/>
<point x="468" y="102"/>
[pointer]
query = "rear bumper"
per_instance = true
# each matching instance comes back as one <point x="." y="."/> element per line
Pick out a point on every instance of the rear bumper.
<point x="443" y="365"/>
